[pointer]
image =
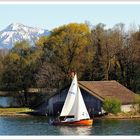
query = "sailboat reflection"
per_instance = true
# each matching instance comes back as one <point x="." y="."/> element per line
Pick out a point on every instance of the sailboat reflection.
<point x="75" y="130"/>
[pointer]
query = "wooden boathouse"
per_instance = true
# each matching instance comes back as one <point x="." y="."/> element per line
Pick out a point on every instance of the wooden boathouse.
<point x="94" y="93"/>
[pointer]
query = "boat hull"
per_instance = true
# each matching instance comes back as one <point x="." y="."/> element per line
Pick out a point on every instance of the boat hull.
<point x="81" y="122"/>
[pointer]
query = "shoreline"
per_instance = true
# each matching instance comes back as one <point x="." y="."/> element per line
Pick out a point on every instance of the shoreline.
<point x="14" y="112"/>
<point x="118" y="117"/>
<point x="15" y="115"/>
<point x="94" y="118"/>
<point x="26" y="112"/>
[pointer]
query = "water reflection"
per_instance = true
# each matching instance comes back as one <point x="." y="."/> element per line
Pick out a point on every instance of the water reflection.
<point x="75" y="130"/>
<point x="41" y="126"/>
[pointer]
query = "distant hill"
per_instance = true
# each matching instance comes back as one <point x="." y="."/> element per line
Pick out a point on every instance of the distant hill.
<point x="18" y="32"/>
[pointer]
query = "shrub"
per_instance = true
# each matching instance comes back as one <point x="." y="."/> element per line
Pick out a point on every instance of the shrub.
<point x="137" y="101"/>
<point x="112" y="105"/>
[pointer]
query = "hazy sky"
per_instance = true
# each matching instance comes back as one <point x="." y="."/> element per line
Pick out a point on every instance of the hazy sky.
<point x="49" y="16"/>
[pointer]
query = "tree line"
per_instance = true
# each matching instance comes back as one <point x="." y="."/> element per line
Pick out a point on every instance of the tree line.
<point x="93" y="52"/>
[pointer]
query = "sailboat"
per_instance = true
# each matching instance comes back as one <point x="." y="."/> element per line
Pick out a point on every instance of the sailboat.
<point x="74" y="111"/>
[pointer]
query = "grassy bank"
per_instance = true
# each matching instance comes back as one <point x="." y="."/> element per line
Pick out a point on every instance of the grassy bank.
<point x="14" y="111"/>
<point x="122" y="115"/>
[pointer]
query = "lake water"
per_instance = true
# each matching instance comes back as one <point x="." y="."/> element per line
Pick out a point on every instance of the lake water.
<point x="7" y="101"/>
<point x="41" y="126"/>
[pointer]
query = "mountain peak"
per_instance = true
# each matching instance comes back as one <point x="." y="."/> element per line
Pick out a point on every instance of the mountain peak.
<point x="14" y="26"/>
<point x="18" y="32"/>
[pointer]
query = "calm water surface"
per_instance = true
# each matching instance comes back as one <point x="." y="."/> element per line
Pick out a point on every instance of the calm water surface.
<point x="41" y="126"/>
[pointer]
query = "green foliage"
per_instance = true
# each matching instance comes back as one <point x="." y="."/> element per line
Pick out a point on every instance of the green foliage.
<point x="137" y="101"/>
<point x="96" y="66"/>
<point x="67" y="47"/>
<point x="41" y="41"/>
<point x="20" y="66"/>
<point x="112" y="105"/>
<point x="94" y="52"/>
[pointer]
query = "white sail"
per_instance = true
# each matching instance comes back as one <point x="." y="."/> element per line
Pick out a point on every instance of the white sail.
<point x="67" y="108"/>
<point x="74" y="103"/>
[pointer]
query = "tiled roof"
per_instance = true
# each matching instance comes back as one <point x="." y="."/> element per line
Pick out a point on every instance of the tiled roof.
<point x="106" y="89"/>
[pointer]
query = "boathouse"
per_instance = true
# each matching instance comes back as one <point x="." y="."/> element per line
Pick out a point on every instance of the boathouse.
<point x="94" y="93"/>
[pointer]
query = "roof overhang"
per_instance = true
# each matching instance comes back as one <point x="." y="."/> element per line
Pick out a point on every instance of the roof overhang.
<point x="91" y="92"/>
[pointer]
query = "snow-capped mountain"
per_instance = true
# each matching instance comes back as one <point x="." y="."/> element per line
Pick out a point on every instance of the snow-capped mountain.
<point x="18" y="32"/>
